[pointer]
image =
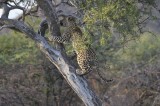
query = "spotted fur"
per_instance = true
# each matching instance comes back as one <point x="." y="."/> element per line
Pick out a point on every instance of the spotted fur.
<point x="86" y="56"/>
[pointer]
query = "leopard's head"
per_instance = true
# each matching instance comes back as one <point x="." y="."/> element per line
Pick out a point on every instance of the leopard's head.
<point x="71" y="21"/>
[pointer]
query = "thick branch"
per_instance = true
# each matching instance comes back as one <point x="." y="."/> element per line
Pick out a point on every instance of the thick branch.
<point x="78" y="84"/>
<point x="50" y="13"/>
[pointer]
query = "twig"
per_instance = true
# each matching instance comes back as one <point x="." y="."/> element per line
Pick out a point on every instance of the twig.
<point x="6" y="26"/>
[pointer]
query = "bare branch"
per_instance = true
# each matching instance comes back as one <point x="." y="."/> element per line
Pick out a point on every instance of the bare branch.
<point x="6" y="26"/>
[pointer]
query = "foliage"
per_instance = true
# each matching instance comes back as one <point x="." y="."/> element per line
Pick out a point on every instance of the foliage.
<point x="123" y="18"/>
<point x="120" y="14"/>
<point x="145" y="49"/>
<point x="140" y="52"/>
<point x="15" y="48"/>
<point x="102" y="17"/>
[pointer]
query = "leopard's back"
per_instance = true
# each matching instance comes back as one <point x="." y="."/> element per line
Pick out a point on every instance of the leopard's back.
<point x="86" y="56"/>
<point x="87" y="61"/>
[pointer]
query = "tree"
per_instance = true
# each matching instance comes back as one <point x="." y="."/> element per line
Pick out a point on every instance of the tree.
<point x="58" y="58"/>
<point x="126" y="22"/>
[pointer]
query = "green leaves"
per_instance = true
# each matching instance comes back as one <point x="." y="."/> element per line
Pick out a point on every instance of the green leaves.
<point x="142" y="51"/>
<point x="120" y="14"/>
<point x="15" y="48"/>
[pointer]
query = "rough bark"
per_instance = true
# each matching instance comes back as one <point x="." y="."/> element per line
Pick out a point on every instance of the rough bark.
<point x="57" y="57"/>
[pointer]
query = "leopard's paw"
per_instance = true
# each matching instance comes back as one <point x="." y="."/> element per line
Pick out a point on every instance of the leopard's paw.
<point x="81" y="72"/>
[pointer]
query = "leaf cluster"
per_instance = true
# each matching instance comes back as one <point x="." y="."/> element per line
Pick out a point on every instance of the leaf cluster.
<point x="15" y="48"/>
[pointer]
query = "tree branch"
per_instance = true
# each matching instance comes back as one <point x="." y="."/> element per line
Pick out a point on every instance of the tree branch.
<point x="78" y="84"/>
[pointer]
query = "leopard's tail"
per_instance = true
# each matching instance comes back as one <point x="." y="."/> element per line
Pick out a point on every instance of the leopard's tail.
<point x="104" y="79"/>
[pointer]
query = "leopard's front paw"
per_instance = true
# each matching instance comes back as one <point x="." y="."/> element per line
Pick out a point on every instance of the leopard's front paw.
<point x="81" y="72"/>
<point x="49" y="38"/>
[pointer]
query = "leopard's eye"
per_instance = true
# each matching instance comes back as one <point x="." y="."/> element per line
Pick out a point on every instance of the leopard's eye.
<point x="69" y="18"/>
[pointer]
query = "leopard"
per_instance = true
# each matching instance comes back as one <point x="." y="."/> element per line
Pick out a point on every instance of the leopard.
<point x="86" y="56"/>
